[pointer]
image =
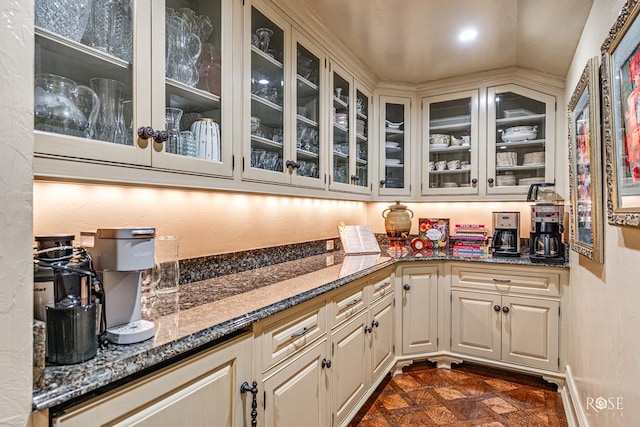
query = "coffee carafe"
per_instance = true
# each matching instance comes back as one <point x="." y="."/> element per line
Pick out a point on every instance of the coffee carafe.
<point x="547" y="217"/>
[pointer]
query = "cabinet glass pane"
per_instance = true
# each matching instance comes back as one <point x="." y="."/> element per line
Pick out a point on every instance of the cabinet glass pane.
<point x="449" y="144"/>
<point x="520" y="140"/>
<point x="267" y="93"/>
<point x="394" y="145"/>
<point x="341" y="152"/>
<point x="362" y="139"/>
<point x="193" y="78"/>
<point x="83" y="69"/>
<point x="308" y="110"/>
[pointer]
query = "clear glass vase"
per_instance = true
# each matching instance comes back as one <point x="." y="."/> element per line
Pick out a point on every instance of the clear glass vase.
<point x="172" y="123"/>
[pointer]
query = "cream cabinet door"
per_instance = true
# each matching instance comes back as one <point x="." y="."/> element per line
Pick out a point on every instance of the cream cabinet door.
<point x="202" y="391"/>
<point x="382" y="343"/>
<point x="297" y="394"/>
<point x="476" y="326"/>
<point x="530" y="332"/>
<point x="350" y="371"/>
<point x="419" y="309"/>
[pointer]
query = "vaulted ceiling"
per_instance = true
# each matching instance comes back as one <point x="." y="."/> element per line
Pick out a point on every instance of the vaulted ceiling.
<point x="415" y="41"/>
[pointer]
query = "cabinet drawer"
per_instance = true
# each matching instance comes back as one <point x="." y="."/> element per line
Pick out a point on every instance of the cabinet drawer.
<point x="381" y="288"/>
<point x="291" y="334"/>
<point x="345" y="305"/>
<point x="514" y="280"/>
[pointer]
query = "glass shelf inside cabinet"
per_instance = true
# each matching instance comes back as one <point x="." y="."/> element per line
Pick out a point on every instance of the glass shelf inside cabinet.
<point x="83" y="82"/>
<point x="394" y="145"/>
<point x="307" y="113"/>
<point x="193" y="78"/>
<point x="449" y="143"/>
<point x="267" y="93"/>
<point x="341" y="149"/>
<point x="362" y="140"/>
<point x="520" y="140"/>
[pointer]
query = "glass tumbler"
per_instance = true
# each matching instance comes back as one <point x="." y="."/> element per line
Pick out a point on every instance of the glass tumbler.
<point x="167" y="266"/>
<point x="172" y="123"/>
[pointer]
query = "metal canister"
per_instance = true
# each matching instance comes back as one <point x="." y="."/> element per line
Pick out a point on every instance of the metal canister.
<point x="207" y="135"/>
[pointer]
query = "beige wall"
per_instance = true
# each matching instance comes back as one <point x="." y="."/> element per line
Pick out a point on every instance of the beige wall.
<point x="208" y="222"/>
<point x="604" y="311"/>
<point x="16" y="268"/>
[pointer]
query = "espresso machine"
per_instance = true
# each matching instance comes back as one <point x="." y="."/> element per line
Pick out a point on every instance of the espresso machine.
<point x="547" y="224"/>
<point x="506" y="234"/>
<point x="120" y="255"/>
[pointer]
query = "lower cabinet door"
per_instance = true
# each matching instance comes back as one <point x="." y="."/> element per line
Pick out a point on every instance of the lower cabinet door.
<point x="419" y="309"/>
<point x="296" y="395"/>
<point x="350" y="371"/>
<point x="530" y="332"/>
<point x="476" y="327"/>
<point x="382" y="337"/>
<point x="201" y="391"/>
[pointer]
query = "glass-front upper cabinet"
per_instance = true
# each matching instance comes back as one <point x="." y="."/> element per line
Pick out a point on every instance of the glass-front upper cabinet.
<point x="193" y="87"/>
<point x="85" y="67"/>
<point x="307" y="157"/>
<point x="100" y="76"/>
<point x="349" y="134"/>
<point x="450" y="144"/>
<point x="363" y="141"/>
<point x="395" y="146"/>
<point x="520" y="149"/>
<point x="265" y="155"/>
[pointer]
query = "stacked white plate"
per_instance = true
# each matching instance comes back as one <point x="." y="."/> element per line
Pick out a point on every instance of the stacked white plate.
<point x="392" y="162"/>
<point x="449" y="185"/>
<point x="391" y="145"/>
<point x="534" y="158"/>
<point x="342" y="119"/>
<point x="529" y="181"/>
<point x="360" y="126"/>
<point x="506" y="158"/>
<point x="505" y="180"/>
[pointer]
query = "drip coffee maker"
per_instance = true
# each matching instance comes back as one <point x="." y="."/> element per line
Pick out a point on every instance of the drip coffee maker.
<point x="506" y="234"/>
<point x="547" y="216"/>
<point x="120" y="255"/>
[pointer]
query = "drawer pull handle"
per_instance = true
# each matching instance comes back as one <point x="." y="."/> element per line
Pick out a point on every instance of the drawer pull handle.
<point x="350" y="303"/>
<point x="496" y="307"/>
<point x="502" y="280"/>
<point x="505" y="309"/>
<point x="382" y="285"/>
<point x="326" y="363"/>
<point x="374" y="323"/>
<point x="301" y="333"/>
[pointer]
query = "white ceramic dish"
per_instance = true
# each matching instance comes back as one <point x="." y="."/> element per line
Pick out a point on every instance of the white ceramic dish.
<point x="393" y="125"/>
<point x="518" y="112"/>
<point x="438" y="146"/>
<point x="439" y="138"/>
<point x="392" y="161"/>
<point x="519" y="136"/>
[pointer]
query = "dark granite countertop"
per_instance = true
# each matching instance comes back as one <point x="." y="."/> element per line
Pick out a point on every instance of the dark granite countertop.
<point x="206" y="311"/>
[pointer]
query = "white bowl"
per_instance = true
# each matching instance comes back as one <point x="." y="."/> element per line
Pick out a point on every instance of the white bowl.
<point x="393" y="125"/>
<point x="518" y="136"/>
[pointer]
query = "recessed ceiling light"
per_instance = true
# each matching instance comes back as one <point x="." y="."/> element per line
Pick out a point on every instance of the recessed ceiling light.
<point x="467" y="35"/>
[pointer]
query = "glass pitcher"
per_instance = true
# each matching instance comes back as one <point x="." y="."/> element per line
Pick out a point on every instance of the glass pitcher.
<point x="108" y="123"/>
<point x="183" y="51"/>
<point x="62" y="106"/>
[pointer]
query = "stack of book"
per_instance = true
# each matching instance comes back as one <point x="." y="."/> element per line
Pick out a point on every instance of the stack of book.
<point x="470" y="241"/>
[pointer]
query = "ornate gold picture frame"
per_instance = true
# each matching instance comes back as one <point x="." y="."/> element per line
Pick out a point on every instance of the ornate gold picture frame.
<point x="620" y="79"/>
<point x="585" y="160"/>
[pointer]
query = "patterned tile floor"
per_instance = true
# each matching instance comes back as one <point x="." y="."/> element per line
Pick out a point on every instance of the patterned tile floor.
<point x="467" y="395"/>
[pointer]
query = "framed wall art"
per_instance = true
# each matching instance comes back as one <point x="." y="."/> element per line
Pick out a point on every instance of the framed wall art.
<point x="621" y="116"/>
<point x="585" y="159"/>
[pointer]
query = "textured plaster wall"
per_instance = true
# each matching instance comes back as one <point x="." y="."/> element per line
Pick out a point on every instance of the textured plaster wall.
<point x="208" y="222"/>
<point x="604" y="308"/>
<point x="16" y="148"/>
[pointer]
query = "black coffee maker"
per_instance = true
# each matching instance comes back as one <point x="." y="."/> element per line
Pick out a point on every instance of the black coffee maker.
<point x="547" y="218"/>
<point x="506" y="234"/>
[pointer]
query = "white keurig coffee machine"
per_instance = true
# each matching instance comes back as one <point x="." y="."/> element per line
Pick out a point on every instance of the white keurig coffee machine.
<point x="119" y="256"/>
